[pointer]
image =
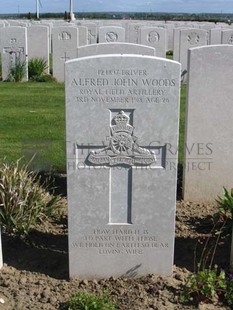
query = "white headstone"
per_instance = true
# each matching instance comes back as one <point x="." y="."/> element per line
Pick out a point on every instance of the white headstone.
<point x="50" y="26"/>
<point x="121" y="113"/>
<point x="38" y="43"/>
<point x="13" y="47"/>
<point x="176" y="44"/>
<point x="133" y="33"/>
<point x="169" y="28"/>
<point x="190" y="38"/>
<point x="154" y="37"/>
<point x="92" y="32"/>
<point x="114" y="48"/>
<point x="65" y="43"/>
<point x="215" y="36"/>
<point x="209" y="131"/>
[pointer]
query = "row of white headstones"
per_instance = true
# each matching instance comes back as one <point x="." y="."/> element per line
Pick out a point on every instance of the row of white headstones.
<point x="66" y="42"/>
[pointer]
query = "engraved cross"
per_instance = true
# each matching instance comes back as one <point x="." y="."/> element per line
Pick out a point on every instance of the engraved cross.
<point x="65" y="58"/>
<point x="122" y="156"/>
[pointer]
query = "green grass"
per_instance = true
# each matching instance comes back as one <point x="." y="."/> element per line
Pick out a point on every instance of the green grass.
<point x="32" y="121"/>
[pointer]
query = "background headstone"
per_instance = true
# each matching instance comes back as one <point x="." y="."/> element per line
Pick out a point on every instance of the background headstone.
<point x="154" y="37"/>
<point x="215" y="36"/>
<point x="13" y="46"/>
<point x="190" y="38"/>
<point x="38" y="43"/>
<point x="82" y="35"/>
<point x="64" y="43"/>
<point x="114" y="48"/>
<point x="209" y="145"/>
<point x="133" y="33"/>
<point x="121" y="113"/>
<point x="92" y="32"/>
<point x="176" y="44"/>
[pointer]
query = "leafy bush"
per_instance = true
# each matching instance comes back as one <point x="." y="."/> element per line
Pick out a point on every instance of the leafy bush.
<point x="36" y="68"/>
<point x="46" y="78"/>
<point x="226" y="203"/>
<point x="206" y="285"/>
<point x="209" y="285"/>
<point x="23" y="200"/>
<point x="85" y="301"/>
<point x="229" y="291"/>
<point x="169" y="53"/>
<point x="17" y="70"/>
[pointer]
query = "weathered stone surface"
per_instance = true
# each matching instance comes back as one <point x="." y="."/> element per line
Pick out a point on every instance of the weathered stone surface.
<point x="121" y="114"/>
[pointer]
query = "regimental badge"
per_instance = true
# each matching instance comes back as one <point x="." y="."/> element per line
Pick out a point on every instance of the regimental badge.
<point x="123" y="147"/>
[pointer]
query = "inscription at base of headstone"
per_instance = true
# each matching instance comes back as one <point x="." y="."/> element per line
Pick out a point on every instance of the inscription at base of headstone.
<point x="121" y="113"/>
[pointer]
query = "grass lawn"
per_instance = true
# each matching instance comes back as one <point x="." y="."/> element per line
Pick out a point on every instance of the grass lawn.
<point x="32" y="122"/>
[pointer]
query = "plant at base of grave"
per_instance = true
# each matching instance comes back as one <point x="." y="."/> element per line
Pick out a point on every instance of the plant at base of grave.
<point x="36" y="68"/>
<point x="86" y="301"/>
<point x="17" y="70"/>
<point x="207" y="283"/>
<point x="24" y="202"/>
<point x="225" y="204"/>
<point x="229" y="291"/>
